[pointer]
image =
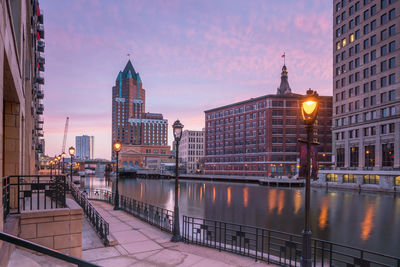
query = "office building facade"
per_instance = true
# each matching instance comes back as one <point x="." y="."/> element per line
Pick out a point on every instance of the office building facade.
<point x="259" y="136"/>
<point x="191" y="150"/>
<point x="84" y="147"/>
<point x="142" y="134"/>
<point x="366" y="65"/>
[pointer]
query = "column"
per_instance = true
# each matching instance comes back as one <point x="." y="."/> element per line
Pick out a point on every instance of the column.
<point x="361" y="154"/>
<point x="397" y="145"/>
<point x="378" y="150"/>
<point x="347" y="151"/>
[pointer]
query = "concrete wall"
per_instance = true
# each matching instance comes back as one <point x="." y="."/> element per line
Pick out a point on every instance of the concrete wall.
<point x="59" y="229"/>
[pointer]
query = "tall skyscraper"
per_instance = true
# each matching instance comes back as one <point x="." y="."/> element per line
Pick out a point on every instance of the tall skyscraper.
<point x="84" y="147"/>
<point x="366" y="119"/>
<point x="259" y="136"/>
<point x="141" y="134"/>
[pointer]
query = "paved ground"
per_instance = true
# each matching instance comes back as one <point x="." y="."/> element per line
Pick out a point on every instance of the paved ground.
<point x="141" y="244"/>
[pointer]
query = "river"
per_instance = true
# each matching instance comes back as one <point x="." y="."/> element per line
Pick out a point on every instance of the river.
<point x="367" y="220"/>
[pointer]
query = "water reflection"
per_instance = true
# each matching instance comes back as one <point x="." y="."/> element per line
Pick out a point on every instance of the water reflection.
<point x="245" y="196"/>
<point x="297" y="201"/>
<point x="368" y="223"/>
<point x="228" y="196"/>
<point x="213" y="197"/>
<point x="272" y="199"/>
<point x="323" y="217"/>
<point x="281" y="201"/>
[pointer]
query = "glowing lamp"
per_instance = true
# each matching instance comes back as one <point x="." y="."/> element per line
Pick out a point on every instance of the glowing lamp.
<point x="117" y="147"/>
<point x="309" y="107"/>
<point x="177" y="127"/>
<point x="72" y="151"/>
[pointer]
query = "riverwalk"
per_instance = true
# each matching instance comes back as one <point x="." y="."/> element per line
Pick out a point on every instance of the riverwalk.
<point x="141" y="244"/>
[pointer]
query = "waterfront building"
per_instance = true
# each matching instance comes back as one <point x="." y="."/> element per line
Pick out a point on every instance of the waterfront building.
<point x="84" y="147"/>
<point x="366" y="113"/>
<point x="191" y="149"/>
<point x="142" y="134"/>
<point x="21" y="80"/>
<point x="259" y="136"/>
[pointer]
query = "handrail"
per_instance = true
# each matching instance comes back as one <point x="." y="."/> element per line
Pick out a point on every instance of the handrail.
<point x="42" y="249"/>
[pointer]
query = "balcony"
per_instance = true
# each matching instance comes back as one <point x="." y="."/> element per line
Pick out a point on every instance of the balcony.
<point x="41" y="45"/>
<point x="39" y="79"/>
<point x="39" y="127"/>
<point x="39" y="94"/>
<point x="40" y="109"/>
<point x="40" y="31"/>
<point x="40" y="18"/>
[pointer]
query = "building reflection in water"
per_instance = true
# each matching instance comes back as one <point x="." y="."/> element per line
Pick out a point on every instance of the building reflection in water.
<point x="228" y="196"/>
<point x="201" y="193"/>
<point x="323" y="216"/>
<point x="213" y="196"/>
<point x="189" y="191"/>
<point x="141" y="191"/>
<point x="272" y="200"/>
<point x="281" y="201"/>
<point x="297" y="201"/>
<point x="368" y="223"/>
<point x="245" y="196"/>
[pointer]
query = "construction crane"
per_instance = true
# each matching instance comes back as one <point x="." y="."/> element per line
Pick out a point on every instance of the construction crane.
<point x="65" y="135"/>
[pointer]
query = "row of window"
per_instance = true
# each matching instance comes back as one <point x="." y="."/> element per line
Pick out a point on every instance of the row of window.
<point x="384" y="129"/>
<point x="371" y="85"/>
<point x="371" y="115"/>
<point x="387" y="156"/>
<point x="353" y="106"/>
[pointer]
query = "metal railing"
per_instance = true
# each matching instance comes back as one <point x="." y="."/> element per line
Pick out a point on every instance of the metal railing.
<point x="160" y="217"/>
<point x="46" y="251"/>
<point x="275" y="246"/>
<point x="100" y="225"/>
<point x="33" y="192"/>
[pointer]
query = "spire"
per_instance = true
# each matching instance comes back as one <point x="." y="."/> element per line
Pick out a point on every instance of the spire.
<point x="284" y="88"/>
<point x="129" y="71"/>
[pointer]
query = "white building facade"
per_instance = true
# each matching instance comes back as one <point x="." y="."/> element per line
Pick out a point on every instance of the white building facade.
<point x="191" y="149"/>
<point x="84" y="147"/>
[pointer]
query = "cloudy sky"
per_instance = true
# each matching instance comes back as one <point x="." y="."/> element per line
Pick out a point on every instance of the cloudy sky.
<point x="191" y="56"/>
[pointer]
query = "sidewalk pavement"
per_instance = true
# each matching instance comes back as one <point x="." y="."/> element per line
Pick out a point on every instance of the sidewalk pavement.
<point x="141" y="244"/>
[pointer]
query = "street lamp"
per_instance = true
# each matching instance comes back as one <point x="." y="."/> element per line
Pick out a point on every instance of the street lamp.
<point x="51" y="167"/>
<point x="117" y="148"/>
<point x="71" y="151"/>
<point x="63" y="156"/>
<point x="177" y="127"/>
<point x="309" y="111"/>
<point x="59" y="163"/>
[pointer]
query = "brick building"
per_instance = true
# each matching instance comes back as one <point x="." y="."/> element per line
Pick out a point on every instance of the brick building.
<point x="259" y="136"/>
<point x="141" y="134"/>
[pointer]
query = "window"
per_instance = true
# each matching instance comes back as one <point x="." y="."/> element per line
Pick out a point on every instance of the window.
<point x="373" y="40"/>
<point x="383" y="81"/>
<point x="366" y="29"/>
<point x="344" y="42"/>
<point x="357" y="20"/>
<point x="351" y="39"/>
<point x="357" y="62"/>
<point x="354" y="157"/>
<point x="366" y="58"/>
<point x="371" y="178"/>
<point x="337" y="58"/>
<point x="373" y="55"/>
<point x="392" y="62"/>
<point x="331" y="177"/>
<point x="392" y="79"/>
<point x="340" y="157"/>
<point x="351" y="65"/>
<point x="351" y="10"/>
<point x="373" y="70"/>
<point x="357" y="35"/>
<point x="350" y="178"/>
<point x="373" y="25"/>
<point x="384" y="35"/>
<point x="356" y="90"/>
<point x="383" y="50"/>
<point x="366" y="73"/>
<point x="384" y="19"/>
<point x="392" y="46"/>
<point x="392" y="14"/>
<point x="391" y="128"/>
<point x="388" y="155"/>
<point x="373" y="10"/>
<point x="357" y="48"/>
<point x="392" y="30"/>
<point x="370" y="156"/>
<point x="373" y="100"/>
<point x="351" y="24"/>
<point x="366" y="102"/>
<point x="383" y="129"/>
<point x="366" y="43"/>
<point x="383" y="97"/>
<point x="366" y="14"/>
<point x="392" y="95"/>
<point x="373" y="85"/>
<point x="343" y="29"/>
<point x="383" y="66"/>
<point x="366" y="88"/>
<point x="357" y="6"/>
<point x="383" y="4"/>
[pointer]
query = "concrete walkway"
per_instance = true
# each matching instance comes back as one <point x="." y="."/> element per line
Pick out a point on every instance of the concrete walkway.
<point x="140" y="244"/>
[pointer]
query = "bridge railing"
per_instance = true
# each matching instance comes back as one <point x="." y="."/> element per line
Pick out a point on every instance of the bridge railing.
<point x="275" y="246"/>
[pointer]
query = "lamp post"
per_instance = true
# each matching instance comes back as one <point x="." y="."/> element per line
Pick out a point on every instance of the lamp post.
<point x="63" y="156"/>
<point x="177" y="127"/>
<point x="59" y="163"/>
<point x="71" y="151"/>
<point x="117" y="148"/>
<point x="309" y="111"/>
<point x="51" y="167"/>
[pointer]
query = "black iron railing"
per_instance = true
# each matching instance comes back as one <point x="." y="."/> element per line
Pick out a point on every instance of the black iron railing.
<point x="46" y="251"/>
<point x="100" y="225"/>
<point x="162" y="218"/>
<point x="33" y="192"/>
<point x="276" y="247"/>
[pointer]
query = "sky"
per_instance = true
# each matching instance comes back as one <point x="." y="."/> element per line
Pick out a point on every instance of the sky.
<point x="191" y="55"/>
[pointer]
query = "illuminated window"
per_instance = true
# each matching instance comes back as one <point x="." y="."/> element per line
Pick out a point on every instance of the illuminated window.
<point x="337" y="45"/>
<point x="331" y="177"/>
<point x="344" y="42"/>
<point x="349" y="178"/>
<point x="371" y="179"/>
<point x="351" y="37"/>
<point x="397" y="180"/>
